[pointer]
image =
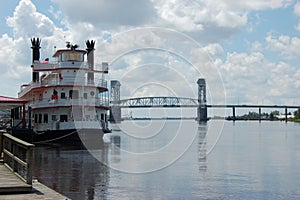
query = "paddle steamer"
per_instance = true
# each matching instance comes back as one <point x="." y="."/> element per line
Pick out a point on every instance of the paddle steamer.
<point x="67" y="98"/>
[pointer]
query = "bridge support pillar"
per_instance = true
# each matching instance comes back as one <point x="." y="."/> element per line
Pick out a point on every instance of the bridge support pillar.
<point x="286" y="112"/>
<point x="233" y="113"/>
<point x="259" y="114"/>
<point x="202" y="107"/>
<point x="115" y="110"/>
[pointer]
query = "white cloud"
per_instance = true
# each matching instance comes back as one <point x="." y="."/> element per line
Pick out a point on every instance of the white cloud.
<point x="251" y="78"/>
<point x="297" y="9"/>
<point x="210" y="21"/>
<point x="297" y="27"/>
<point x="12" y="64"/>
<point x="188" y="15"/>
<point x="26" y="22"/>
<point x="110" y="13"/>
<point x="256" y="4"/>
<point x="287" y="46"/>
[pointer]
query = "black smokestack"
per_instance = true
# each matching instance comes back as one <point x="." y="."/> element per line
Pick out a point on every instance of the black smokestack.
<point x="35" y="42"/>
<point x="90" y="58"/>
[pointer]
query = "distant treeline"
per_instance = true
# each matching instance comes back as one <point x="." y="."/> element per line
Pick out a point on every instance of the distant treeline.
<point x="263" y="116"/>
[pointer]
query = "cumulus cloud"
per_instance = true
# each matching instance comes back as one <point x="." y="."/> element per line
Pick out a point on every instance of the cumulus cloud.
<point x="287" y="46"/>
<point x="256" y="4"/>
<point x="297" y="9"/>
<point x="26" y="21"/>
<point x="13" y="68"/>
<point x="210" y="21"/>
<point x="205" y="18"/>
<point x="252" y="78"/>
<point x="298" y="26"/>
<point x="110" y="13"/>
<point x="297" y="13"/>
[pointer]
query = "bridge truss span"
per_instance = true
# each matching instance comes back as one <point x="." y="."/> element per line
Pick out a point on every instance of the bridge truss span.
<point x="144" y="102"/>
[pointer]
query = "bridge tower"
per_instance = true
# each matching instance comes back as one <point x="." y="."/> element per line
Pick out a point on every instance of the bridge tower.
<point x="202" y="107"/>
<point x="115" y="110"/>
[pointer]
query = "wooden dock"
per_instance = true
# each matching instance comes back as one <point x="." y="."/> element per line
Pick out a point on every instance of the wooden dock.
<point x="16" y="172"/>
<point x="39" y="191"/>
<point x="9" y="182"/>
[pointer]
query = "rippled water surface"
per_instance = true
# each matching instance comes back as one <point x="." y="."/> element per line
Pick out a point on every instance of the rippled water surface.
<point x="179" y="160"/>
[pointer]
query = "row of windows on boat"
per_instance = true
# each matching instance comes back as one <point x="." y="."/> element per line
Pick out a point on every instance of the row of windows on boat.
<point x="43" y="118"/>
<point x="73" y="94"/>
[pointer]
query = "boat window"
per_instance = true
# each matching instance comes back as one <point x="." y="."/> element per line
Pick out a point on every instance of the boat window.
<point x="35" y="118"/>
<point x="85" y="95"/>
<point x="73" y="94"/>
<point x="53" y="117"/>
<point x="63" y="118"/>
<point x="72" y="56"/>
<point x="40" y="118"/>
<point x="62" y="95"/>
<point x="45" y="118"/>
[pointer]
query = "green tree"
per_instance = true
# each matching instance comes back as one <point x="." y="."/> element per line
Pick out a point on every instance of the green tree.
<point x="273" y="114"/>
<point x="297" y="114"/>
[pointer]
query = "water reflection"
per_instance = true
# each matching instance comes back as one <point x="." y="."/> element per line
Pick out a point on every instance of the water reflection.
<point x="72" y="171"/>
<point x="202" y="153"/>
<point x="115" y="148"/>
<point x="251" y="160"/>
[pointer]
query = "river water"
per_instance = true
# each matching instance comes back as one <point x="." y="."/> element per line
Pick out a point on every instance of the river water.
<point x="179" y="160"/>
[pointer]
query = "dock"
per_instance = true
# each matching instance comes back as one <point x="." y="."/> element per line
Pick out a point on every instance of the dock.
<point x="16" y="181"/>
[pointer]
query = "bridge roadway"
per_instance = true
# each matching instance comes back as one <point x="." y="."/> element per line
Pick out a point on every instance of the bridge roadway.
<point x="159" y="102"/>
<point x="176" y="102"/>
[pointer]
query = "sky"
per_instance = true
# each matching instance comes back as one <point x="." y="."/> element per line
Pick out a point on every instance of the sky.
<point x="248" y="51"/>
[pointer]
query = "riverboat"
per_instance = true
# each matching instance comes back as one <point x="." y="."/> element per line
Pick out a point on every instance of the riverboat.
<point x="68" y="98"/>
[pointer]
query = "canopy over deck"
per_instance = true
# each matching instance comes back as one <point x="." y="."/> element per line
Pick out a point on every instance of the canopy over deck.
<point x="10" y="102"/>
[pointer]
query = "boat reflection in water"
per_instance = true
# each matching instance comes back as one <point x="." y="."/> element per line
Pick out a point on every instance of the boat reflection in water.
<point x="72" y="171"/>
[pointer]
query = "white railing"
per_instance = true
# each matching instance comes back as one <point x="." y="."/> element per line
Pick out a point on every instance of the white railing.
<point x="37" y="66"/>
<point x="51" y="66"/>
<point x="80" y="65"/>
<point x="25" y="89"/>
<point x="70" y="102"/>
<point x="45" y="67"/>
<point x="56" y="82"/>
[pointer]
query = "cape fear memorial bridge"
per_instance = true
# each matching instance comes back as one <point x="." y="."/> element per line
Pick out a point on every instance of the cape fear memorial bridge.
<point x="174" y="102"/>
